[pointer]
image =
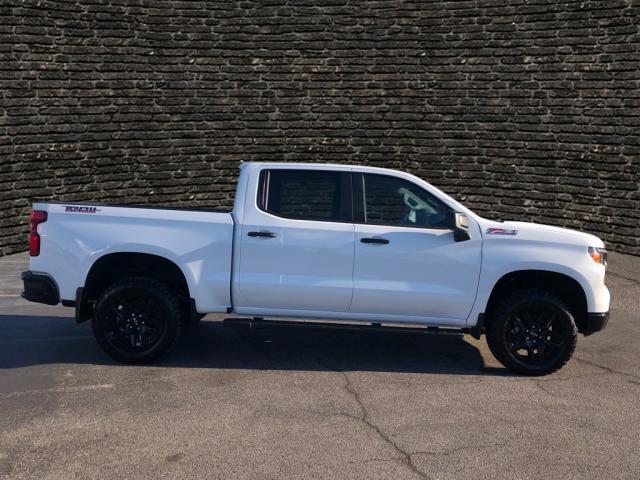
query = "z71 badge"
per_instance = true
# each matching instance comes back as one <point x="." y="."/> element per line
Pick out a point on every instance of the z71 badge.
<point x="501" y="231"/>
<point x="80" y="209"/>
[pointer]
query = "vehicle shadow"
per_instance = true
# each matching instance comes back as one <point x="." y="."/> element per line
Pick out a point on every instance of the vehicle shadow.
<point x="38" y="340"/>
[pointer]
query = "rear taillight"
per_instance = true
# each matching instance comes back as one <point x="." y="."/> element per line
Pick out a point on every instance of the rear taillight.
<point x="36" y="218"/>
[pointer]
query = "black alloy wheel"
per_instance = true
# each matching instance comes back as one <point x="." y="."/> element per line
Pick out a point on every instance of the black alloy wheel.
<point x="137" y="319"/>
<point x="535" y="333"/>
<point x="532" y="332"/>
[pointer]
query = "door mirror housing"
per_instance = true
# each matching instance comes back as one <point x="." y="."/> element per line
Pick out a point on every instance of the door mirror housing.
<point x="459" y="222"/>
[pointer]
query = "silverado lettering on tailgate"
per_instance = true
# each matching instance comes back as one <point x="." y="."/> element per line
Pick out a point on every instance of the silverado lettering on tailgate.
<point x="80" y="209"/>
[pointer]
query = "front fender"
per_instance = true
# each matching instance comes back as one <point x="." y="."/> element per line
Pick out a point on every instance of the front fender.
<point x="572" y="261"/>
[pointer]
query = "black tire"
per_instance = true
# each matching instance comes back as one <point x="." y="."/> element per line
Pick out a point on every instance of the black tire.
<point x="532" y="332"/>
<point x="137" y="319"/>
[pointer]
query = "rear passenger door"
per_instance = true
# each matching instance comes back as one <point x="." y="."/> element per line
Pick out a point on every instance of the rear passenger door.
<point x="297" y="243"/>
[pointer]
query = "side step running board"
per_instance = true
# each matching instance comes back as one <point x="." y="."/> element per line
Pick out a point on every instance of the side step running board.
<point x="259" y="323"/>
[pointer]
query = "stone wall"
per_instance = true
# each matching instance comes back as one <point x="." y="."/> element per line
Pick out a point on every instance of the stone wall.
<point x="522" y="109"/>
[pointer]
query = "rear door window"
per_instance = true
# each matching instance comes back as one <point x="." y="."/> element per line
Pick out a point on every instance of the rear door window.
<point x="320" y="195"/>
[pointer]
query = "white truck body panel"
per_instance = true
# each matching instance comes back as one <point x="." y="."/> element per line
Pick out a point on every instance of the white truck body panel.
<point x="307" y="266"/>
<point x="321" y="270"/>
<point x="428" y="278"/>
<point x="541" y="247"/>
<point x="318" y="269"/>
<point x="198" y="242"/>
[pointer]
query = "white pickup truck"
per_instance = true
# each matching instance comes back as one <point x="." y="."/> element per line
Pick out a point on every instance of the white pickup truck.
<point x="358" y="245"/>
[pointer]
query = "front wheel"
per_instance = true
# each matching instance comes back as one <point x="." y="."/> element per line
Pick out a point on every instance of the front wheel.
<point x="137" y="319"/>
<point x="532" y="332"/>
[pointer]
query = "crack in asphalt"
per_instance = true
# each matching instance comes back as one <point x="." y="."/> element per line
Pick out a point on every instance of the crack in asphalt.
<point x="364" y="417"/>
<point x="613" y="371"/>
<point x="628" y="279"/>
<point x="538" y="383"/>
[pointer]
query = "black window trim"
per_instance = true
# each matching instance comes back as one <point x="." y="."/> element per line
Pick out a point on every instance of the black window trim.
<point x="346" y="194"/>
<point x="359" y="205"/>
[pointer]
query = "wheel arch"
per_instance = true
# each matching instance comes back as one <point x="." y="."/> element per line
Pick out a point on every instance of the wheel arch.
<point x="114" y="265"/>
<point x="565" y="287"/>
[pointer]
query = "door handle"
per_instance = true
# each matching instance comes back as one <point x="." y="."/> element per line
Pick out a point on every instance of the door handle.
<point x="263" y="234"/>
<point x="381" y="241"/>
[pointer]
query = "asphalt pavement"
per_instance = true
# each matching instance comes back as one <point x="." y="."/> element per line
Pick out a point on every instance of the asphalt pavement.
<point x="291" y="404"/>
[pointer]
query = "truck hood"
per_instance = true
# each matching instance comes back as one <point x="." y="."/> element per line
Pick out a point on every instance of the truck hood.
<point x="538" y="232"/>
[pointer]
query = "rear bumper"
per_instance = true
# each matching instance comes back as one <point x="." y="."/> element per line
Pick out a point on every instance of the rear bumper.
<point x="594" y="323"/>
<point x="40" y="288"/>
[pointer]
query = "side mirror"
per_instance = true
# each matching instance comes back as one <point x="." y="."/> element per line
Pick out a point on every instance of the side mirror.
<point x="460" y="224"/>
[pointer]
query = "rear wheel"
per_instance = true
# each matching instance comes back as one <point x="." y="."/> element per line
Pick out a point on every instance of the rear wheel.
<point x="532" y="332"/>
<point x="137" y="319"/>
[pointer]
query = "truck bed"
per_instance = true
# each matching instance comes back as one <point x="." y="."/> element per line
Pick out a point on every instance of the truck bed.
<point x="134" y="205"/>
<point x="76" y="234"/>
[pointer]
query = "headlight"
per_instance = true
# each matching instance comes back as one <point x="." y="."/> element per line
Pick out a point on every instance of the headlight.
<point x="598" y="255"/>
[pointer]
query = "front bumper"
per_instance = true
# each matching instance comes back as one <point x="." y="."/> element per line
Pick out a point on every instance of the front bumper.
<point x="594" y="323"/>
<point x="40" y="288"/>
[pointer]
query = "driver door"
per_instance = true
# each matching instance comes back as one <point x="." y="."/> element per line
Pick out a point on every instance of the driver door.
<point x="407" y="265"/>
